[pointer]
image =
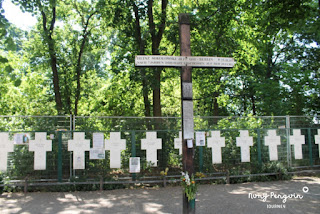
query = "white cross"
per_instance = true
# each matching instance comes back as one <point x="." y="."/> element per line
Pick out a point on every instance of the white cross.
<point x="244" y="142"/>
<point x="216" y="142"/>
<point x="79" y="145"/>
<point x="151" y="144"/>
<point x="317" y="140"/>
<point x="6" y="146"/>
<point x="178" y="143"/>
<point x="115" y="144"/>
<point x="297" y="140"/>
<point x="272" y="141"/>
<point x="40" y="146"/>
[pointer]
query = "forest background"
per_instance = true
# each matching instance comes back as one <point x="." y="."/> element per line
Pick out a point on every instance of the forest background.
<point x="79" y="58"/>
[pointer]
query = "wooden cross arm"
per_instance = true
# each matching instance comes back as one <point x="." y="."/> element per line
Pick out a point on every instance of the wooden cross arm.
<point x="180" y="61"/>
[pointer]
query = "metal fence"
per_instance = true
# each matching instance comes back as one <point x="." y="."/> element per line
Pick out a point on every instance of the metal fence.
<point x="60" y="129"/>
<point x="35" y="123"/>
<point x="117" y="123"/>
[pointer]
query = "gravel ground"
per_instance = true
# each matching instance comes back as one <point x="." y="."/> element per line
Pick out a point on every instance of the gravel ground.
<point x="300" y="195"/>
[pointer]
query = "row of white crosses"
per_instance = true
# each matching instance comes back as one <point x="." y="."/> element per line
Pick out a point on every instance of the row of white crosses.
<point x="244" y="141"/>
<point x="40" y="146"/>
<point x="79" y="145"/>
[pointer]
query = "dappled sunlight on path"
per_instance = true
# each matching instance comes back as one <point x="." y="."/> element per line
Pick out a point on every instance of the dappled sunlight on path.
<point x="236" y="198"/>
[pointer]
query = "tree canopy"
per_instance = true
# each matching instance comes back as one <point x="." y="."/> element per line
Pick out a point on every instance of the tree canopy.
<point x="79" y="58"/>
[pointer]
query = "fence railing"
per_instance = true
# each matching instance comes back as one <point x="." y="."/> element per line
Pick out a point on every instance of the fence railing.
<point x="295" y="143"/>
<point x="61" y="159"/>
<point x="117" y="123"/>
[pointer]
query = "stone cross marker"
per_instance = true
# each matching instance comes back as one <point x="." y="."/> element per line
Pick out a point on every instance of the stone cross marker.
<point x="40" y="146"/>
<point x="178" y="143"/>
<point x="115" y="145"/>
<point x="79" y="145"/>
<point x="6" y="146"/>
<point x="272" y="141"/>
<point x="317" y="140"/>
<point x="216" y="142"/>
<point x="297" y="140"/>
<point x="244" y="142"/>
<point x="151" y="144"/>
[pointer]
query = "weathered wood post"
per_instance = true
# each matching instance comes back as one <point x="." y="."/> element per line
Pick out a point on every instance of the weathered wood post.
<point x="187" y="105"/>
<point x="186" y="62"/>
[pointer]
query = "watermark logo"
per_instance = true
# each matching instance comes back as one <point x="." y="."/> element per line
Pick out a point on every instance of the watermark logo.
<point x="272" y="195"/>
<point x="305" y="189"/>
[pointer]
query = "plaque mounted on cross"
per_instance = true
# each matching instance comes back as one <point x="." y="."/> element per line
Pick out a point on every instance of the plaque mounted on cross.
<point x="186" y="62"/>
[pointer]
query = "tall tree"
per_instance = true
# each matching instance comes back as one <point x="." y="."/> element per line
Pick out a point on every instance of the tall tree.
<point x="69" y="45"/>
<point x="156" y="37"/>
<point x="47" y="10"/>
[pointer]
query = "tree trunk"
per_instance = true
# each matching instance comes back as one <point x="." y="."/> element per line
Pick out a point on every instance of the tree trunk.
<point x="156" y="40"/>
<point x="85" y="35"/>
<point x="145" y="91"/>
<point x="78" y="75"/>
<point x="140" y="42"/>
<point x="215" y="107"/>
<point x="156" y="94"/>
<point x="53" y="57"/>
<point x="253" y="105"/>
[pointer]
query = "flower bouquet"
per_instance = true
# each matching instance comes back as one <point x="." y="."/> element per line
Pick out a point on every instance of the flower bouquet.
<point x="189" y="185"/>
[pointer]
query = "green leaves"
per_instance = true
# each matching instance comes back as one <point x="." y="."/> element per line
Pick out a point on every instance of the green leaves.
<point x="275" y="45"/>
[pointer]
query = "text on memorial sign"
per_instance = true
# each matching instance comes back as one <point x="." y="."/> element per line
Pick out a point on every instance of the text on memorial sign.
<point x="178" y="61"/>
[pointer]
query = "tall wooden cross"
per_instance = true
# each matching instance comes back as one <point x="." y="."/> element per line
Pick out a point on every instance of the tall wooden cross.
<point x="186" y="62"/>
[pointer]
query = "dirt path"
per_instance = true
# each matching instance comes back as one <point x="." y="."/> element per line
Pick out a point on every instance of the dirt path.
<point x="303" y="196"/>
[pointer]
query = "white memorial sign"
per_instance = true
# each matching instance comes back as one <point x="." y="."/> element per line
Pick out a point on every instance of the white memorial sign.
<point x="6" y="146"/>
<point x="151" y="144"/>
<point x="178" y="143"/>
<point x="200" y="138"/>
<point x="98" y="140"/>
<point x="297" y="140"/>
<point x="189" y="143"/>
<point x="115" y="144"/>
<point x="40" y="146"/>
<point x="20" y="138"/>
<point x="79" y="145"/>
<point x="134" y="165"/>
<point x="272" y="141"/>
<point x="178" y="61"/>
<point x="188" y="125"/>
<point x="97" y="154"/>
<point x="216" y="142"/>
<point x="317" y="140"/>
<point x="244" y="142"/>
